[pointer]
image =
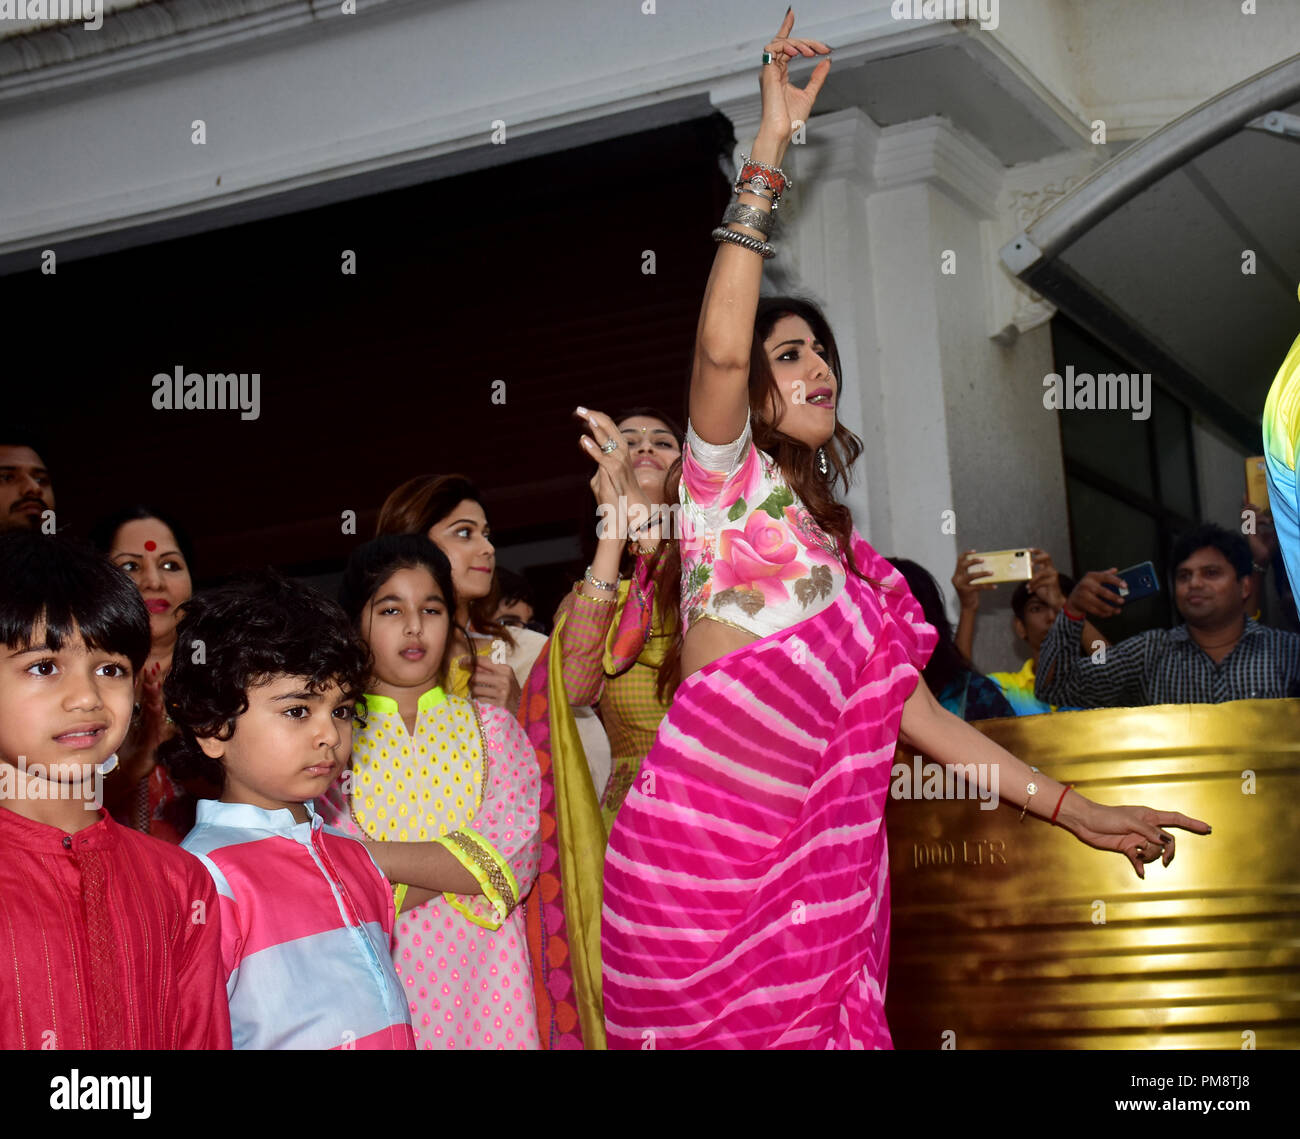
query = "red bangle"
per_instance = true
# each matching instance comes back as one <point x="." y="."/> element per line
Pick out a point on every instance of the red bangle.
<point x="1068" y="787"/>
<point x="772" y="177"/>
<point x="1072" y="616"/>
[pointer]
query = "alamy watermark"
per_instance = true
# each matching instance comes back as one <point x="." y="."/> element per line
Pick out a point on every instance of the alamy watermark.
<point x="624" y="520"/>
<point x="1106" y="391"/>
<point x="75" y="1092"/>
<point x="946" y="781"/>
<point x="33" y="781"/>
<point x="213" y="391"/>
<point x="89" y="12"/>
<point x="984" y="11"/>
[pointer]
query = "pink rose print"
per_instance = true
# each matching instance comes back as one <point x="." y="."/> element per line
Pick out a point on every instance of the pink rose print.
<point x="764" y="557"/>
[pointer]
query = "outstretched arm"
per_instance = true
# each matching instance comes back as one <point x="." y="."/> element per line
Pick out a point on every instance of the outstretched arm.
<point x="1134" y="832"/>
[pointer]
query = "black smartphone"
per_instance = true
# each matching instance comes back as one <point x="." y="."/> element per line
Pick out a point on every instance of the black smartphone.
<point x="1139" y="581"/>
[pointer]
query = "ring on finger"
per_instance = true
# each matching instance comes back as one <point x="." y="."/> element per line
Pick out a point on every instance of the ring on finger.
<point x="609" y="446"/>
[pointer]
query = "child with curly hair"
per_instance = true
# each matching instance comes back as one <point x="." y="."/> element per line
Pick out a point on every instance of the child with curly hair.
<point x="263" y="688"/>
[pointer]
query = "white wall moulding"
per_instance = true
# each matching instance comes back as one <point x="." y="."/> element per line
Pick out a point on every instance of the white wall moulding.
<point x="1028" y="192"/>
<point x="298" y="97"/>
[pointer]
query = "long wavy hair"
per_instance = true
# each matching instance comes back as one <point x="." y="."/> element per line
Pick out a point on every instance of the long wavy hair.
<point x="947" y="662"/>
<point x="798" y="462"/>
<point x="421" y="503"/>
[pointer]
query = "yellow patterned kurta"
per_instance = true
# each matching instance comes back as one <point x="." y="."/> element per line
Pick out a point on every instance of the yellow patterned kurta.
<point x="462" y="959"/>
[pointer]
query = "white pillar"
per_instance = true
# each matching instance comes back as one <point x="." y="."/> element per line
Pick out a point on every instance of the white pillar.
<point x="951" y="419"/>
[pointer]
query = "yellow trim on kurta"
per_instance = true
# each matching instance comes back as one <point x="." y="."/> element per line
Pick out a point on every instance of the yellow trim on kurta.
<point x="480" y="859"/>
<point x="582" y="848"/>
<point x="430" y="699"/>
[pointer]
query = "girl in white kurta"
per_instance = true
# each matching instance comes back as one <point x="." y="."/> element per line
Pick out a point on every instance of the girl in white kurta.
<point x="429" y="767"/>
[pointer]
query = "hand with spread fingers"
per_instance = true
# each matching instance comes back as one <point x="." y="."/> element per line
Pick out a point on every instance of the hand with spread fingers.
<point x="783" y="103"/>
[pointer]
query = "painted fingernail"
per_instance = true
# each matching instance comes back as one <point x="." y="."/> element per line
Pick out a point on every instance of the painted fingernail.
<point x="581" y="411"/>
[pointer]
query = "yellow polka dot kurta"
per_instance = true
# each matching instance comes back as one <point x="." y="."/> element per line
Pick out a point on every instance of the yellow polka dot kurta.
<point x="463" y="960"/>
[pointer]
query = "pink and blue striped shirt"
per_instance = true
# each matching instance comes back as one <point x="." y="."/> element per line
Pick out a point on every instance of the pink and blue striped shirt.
<point x="306" y="926"/>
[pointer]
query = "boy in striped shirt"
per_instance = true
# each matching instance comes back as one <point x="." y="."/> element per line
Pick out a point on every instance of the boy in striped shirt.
<point x="263" y="688"/>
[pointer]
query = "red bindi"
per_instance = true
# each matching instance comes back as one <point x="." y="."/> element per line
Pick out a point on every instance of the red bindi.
<point x="151" y="545"/>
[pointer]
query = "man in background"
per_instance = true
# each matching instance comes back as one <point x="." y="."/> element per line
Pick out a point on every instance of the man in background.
<point x="26" y="491"/>
<point x="1217" y="654"/>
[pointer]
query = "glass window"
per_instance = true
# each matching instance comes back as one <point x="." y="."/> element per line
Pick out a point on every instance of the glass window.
<point x="1130" y="483"/>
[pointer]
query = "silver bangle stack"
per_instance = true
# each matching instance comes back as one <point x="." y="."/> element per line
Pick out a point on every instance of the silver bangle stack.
<point x="766" y="182"/>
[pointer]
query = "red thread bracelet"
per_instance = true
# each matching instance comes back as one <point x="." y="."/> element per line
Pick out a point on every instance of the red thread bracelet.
<point x="1072" y="616"/>
<point x="1068" y="788"/>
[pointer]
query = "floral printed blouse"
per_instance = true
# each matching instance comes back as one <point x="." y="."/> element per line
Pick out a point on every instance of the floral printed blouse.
<point x="752" y="556"/>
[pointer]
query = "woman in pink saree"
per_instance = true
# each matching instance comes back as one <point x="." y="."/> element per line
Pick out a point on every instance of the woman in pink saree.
<point x="746" y="892"/>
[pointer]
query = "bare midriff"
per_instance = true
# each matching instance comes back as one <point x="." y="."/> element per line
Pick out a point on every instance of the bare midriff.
<point x="706" y="640"/>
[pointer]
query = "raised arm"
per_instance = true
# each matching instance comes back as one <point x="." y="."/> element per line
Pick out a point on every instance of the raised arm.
<point x="965" y="580"/>
<point x="619" y="499"/>
<point x="720" y="372"/>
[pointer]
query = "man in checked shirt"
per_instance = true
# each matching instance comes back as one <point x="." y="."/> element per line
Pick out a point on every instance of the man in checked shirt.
<point x="1217" y="654"/>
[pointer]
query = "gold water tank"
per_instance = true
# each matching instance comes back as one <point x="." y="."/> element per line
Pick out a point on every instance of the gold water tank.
<point x="1017" y="935"/>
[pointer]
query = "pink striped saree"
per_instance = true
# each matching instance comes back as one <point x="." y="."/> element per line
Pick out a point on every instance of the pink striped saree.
<point x="746" y="900"/>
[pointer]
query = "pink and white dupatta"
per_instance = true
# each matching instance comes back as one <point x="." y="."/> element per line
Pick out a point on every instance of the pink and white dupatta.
<point x="746" y="900"/>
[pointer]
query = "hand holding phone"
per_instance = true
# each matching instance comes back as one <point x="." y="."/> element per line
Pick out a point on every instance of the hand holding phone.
<point x="1098" y="594"/>
<point x="1139" y="581"/>
<point x="1003" y="565"/>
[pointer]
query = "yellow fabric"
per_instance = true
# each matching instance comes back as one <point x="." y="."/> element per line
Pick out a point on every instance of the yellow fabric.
<point x="581" y="848"/>
<point x="656" y="647"/>
<point x="1022" y="679"/>
<point x="472" y="909"/>
<point x="421" y="786"/>
<point x="392" y="766"/>
<point x="458" y="677"/>
<point x="630" y="704"/>
<point x="1281" y="420"/>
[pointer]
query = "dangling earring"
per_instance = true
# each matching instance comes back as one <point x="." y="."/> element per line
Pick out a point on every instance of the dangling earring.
<point x="822" y="465"/>
<point x="110" y="764"/>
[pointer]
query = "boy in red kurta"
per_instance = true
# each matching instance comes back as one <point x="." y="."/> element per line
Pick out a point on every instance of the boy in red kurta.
<point x="109" y="939"/>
